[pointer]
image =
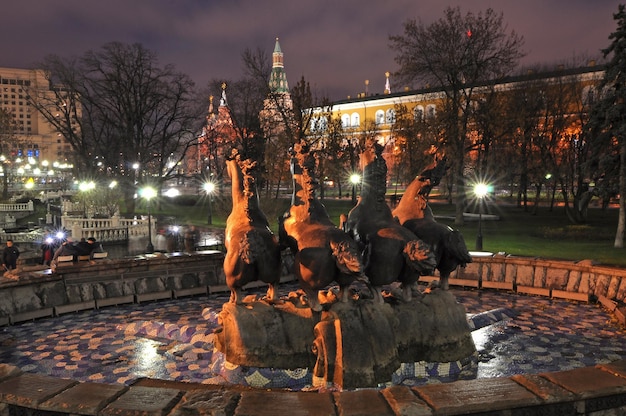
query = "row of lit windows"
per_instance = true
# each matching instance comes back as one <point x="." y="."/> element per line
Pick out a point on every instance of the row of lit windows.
<point x="383" y="117"/>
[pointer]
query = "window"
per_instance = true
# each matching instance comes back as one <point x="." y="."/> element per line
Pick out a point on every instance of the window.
<point x="345" y="121"/>
<point x="355" y="120"/>
<point x="418" y="113"/>
<point x="431" y="111"/>
<point x="390" y="116"/>
<point x="380" y="117"/>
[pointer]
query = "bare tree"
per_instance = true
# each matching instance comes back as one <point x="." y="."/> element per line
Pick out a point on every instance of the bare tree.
<point x="116" y="107"/>
<point x="457" y="54"/>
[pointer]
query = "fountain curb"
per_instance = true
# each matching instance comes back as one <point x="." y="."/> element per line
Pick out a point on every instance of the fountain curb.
<point x="600" y="389"/>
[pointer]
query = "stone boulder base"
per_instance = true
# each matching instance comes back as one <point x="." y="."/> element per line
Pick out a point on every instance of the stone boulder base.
<point x="354" y="344"/>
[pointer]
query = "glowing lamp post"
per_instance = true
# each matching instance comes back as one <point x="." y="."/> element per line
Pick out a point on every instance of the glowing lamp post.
<point x="148" y="193"/>
<point x="480" y="190"/>
<point x="209" y="188"/>
<point x="85" y="188"/>
<point x="355" y="178"/>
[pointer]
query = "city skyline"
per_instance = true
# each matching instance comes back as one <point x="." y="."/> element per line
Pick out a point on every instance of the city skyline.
<point x="335" y="46"/>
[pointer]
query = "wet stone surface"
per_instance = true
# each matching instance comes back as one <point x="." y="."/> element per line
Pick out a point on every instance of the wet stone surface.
<point x="173" y="340"/>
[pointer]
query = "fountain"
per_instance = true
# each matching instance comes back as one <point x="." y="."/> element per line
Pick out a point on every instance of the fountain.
<point x="356" y="336"/>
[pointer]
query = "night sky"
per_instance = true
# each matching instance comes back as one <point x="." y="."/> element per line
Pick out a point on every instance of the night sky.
<point x="335" y="45"/>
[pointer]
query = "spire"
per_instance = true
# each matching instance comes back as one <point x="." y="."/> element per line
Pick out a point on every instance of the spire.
<point x="223" y="102"/>
<point x="278" y="78"/>
<point x="387" y="86"/>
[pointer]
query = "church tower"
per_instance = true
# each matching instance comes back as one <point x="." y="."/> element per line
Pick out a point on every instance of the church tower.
<point x="278" y="78"/>
<point x="277" y="107"/>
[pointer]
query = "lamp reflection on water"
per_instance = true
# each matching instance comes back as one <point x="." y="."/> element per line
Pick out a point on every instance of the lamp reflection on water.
<point x="147" y="358"/>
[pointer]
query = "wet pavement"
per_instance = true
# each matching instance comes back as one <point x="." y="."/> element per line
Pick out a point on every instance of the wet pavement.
<point x="172" y="340"/>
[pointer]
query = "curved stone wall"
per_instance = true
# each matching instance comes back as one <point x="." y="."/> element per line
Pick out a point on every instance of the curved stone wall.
<point x="592" y="390"/>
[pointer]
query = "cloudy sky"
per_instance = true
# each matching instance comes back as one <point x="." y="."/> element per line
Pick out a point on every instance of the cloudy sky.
<point x="335" y="44"/>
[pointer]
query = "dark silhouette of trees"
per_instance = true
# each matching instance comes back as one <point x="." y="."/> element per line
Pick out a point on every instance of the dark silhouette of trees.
<point x="457" y="54"/>
<point x="117" y="106"/>
<point x="607" y="127"/>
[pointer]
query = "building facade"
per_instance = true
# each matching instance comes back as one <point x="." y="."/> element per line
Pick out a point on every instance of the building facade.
<point x="34" y="136"/>
<point x="380" y="109"/>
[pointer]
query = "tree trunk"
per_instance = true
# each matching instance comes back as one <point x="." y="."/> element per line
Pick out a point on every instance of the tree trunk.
<point x="621" y="222"/>
<point x="460" y="192"/>
<point x="537" y="197"/>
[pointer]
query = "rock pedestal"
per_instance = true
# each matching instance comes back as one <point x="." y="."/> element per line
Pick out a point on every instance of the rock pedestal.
<point x="354" y="344"/>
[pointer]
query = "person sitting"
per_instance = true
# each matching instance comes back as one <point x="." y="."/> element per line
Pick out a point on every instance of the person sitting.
<point x="65" y="249"/>
<point x="87" y="247"/>
<point x="82" y="248"/>
<point x="95" y="247"/>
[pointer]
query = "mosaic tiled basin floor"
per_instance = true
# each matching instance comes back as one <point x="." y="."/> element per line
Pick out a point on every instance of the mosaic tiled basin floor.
<point x="172" y="340"/>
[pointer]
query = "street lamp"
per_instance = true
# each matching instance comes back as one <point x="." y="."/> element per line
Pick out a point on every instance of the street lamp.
<point x="148" y="193"/>
<point x="85" y="188"/>
<point x="480" y="190"/>
<point x="355" y="178"/>
<point x="209" y="188"/>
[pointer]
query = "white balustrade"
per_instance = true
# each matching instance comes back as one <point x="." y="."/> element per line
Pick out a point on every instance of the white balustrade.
<point x="107" y="229"/>
<point x="21" y="207"/>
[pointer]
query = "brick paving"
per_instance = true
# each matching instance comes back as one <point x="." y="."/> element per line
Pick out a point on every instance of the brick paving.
<point x="172" y="340"/>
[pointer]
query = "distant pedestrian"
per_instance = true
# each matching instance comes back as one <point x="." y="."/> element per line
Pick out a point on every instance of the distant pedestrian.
<point x="65" y="249"/>
<point x="10" y="255"/>
<point x="171" y="240"/>
<point x="47" y="251"/>
<point x="191" y="238"/>
<point x="161" y="242"/>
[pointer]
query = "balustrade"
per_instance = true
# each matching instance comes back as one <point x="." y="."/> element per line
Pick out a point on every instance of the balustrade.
<point x="107" y="229"/>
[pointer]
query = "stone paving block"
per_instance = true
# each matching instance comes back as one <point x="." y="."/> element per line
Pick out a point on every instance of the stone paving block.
<point x="470" y="271"/>
<point x="207" y="402"/>
<point x="144" y="401"/>
<point x="497" y="285"/>
<point x="31" y="315"/>
<point x="463" y="282"/>
<point x="611" y="291"/>
<point x="361" y="403"/>
<point x="8" y="371"/>
<point x="616" y="367"/>
<point x="84" y="398"/>
<point x="29" y="390"/>
<point x="404" y="402"/>
<point x="192" y="291"/>
<point x="540" y="386"/>
<point x="496" y="272"/>
<point x="525" y="275"/>
<point x="148" y="297"/>
<point x="609" y="304"/>
<point x="530" y="290"/>
<point x="473" y="396"/>
<point x="557" y="278"/>
<point x="271" y="403"/>
<point x="117" y="300"/>
<point x="563" y="294"/>
<point x="573" y="282"/>
<point x="588" y="382"/>
<point x="74" y="307"/>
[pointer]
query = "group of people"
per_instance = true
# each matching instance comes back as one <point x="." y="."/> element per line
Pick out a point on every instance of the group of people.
<point x="168" y="241"/>
<point x="67" y="247"/>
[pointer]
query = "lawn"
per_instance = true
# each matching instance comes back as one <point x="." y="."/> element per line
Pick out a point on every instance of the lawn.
<point x="547" y="234"/>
